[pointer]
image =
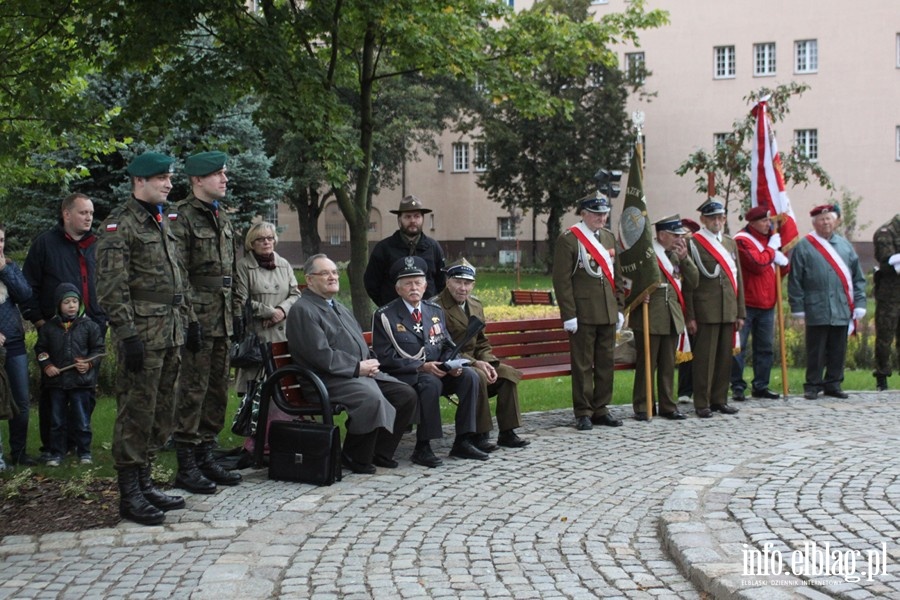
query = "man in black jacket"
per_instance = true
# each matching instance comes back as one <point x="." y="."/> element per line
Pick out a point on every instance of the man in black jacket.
<point x="408" y="240"/>
<point x="62" y="254"/>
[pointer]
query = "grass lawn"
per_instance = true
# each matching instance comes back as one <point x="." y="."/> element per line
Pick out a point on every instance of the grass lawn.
<point x="534" y="395"/>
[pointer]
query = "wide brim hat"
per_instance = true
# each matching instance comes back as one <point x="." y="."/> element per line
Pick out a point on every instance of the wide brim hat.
<point x="411" y="204"/>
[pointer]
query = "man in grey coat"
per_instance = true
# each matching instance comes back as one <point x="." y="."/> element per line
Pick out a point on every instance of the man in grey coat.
<point x="323" y="336"/>
<point x="827" y="291"/>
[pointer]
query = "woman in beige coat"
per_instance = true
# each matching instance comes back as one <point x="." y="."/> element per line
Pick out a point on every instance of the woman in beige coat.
<point x="269" y="281"/>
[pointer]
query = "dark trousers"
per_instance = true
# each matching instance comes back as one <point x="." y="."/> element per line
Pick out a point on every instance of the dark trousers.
<point x="662" y="362"/>
<point x="826" y="349"/>
<point x="430" y="388"/>
<point x="887" y="332"/>
<point x="760" y="323"/>
<point x="381" y="442"/>
<point x="70" y="417"/>
<point x="17" y="373"/>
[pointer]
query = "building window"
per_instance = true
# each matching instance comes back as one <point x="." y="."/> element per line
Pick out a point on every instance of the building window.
<point x="506" y="228"/>
<point x="440" y="162"/>
<point x="272" y="213"/>
<point x="725" y="62"/>
<point x="806" y="59"/>
<point x="764" y="59"/>
<point x="898" y="50"/>
<point x="720" y="139"/>
<point x="480" y="159"/>
<point x="599" y="1"/>
<point x="897" y="157"/>
<point x="460" y="157"/>
<point x="335" y="225"/>
<point x="634" y="66"/>
<point x="807" y="141"/>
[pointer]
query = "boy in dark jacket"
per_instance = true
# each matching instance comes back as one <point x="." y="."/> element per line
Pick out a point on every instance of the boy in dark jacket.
<point x="68" y="351"/>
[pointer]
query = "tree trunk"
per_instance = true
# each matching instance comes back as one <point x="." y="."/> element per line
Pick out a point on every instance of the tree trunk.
<point x="554" y="218"/>
<point x="308" y="205"/>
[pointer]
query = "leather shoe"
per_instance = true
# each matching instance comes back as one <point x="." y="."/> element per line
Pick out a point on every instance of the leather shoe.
<point x="739" y="396"/>
<point x="583" y="424"/>
<point x="509" y="439"/>
<point x="837" y="394"/>
<point x="385" y="463"/>
<point x="811" y="395"/>
<point x="724" y="409"/>
<point x="464" y="448"/>
<point x="483" y="442"/>
<point x="674" y="416"/>
<point x="765" y="394"/>
<point x="423" y="455"/>
<point x="704" y="413"/>
<point x="640" y="416"/>
<point x="356" y="466"/>
<point x="607" y="420"/>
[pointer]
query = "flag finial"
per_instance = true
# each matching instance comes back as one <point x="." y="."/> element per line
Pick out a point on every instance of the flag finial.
<point x="637" y="117"/>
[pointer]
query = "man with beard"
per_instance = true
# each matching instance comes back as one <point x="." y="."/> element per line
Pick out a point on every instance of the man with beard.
<point x="408" y="240"/>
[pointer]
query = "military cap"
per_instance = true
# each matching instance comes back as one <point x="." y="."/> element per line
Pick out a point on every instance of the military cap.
<point x="692" y="225"/>
<point x="461" y="269"/>
<point x="756" y="213"/>
<point x="204" y="163"/>
<point x="411" y="204"/>
<point x="711" y="207"/>
<point x="408" y="266"/>
<point x="672" y="224"/>
<point x="149" y="164"/>
<point x="821" y="209"/>
<point x="596" y="204"/>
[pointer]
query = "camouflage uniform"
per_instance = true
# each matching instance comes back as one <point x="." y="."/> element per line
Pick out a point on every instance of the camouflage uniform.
<point x="207" y="244"/>
<point x="141" y="287"/>
<point x="887" y="297"/>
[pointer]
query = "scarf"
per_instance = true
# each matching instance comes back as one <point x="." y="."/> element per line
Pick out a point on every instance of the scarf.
<point x="265" y="261"/>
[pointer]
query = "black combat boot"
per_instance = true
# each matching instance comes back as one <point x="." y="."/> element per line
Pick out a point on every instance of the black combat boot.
<point x="132" y="504"/>
<point x="881" y="383"/>
<point x="163" y="502"/>
<point x="211" y="469"/>
<point x="189" y="476"/>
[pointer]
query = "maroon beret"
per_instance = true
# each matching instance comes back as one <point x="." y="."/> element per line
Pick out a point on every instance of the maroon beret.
<point x="756" y="213"/>
<point x="823" y="208"/>
<point x="691" y="224"/>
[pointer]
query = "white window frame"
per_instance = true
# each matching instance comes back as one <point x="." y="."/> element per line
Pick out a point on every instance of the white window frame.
<point x="479" y="157"/>
<point x="898" y="50"/>
<point x="633" y="62"/>
<point x="460" y="157"/>
<point x="440" y="162"/>
<point x="806" y="56"/>
<point x="808" y="141"/>
<point x="599" y="1"/>
<point x="764" y="59"/>
<point x="720" y="139"/>
<point x="724" y="62"/>
<point x="506" y="228"/>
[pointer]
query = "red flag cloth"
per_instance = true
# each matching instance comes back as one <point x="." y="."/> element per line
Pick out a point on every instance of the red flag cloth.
<point x="767" y="178"/>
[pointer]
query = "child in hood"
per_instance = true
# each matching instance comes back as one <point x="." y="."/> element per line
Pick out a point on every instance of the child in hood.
<point x="68" y="350"/>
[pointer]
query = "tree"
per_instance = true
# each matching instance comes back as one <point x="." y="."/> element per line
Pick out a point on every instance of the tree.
<point x="729" y="162"/>
<point x="543" y="163"/>
<point x="44" y="71"/>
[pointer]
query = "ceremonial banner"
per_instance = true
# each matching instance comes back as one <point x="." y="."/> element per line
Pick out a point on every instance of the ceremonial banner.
<point x="637" y="259"/>
<point x="767" y="178"/>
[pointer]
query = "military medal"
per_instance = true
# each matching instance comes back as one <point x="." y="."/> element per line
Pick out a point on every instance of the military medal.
<point x="417" y="317"/>
<point x="418" y="328"/>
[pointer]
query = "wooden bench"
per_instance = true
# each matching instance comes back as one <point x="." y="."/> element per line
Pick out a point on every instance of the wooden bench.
<point x="522" y="297"/>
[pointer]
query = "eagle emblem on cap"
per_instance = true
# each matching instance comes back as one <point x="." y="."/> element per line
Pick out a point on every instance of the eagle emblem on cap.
<point x="409" y="263"/>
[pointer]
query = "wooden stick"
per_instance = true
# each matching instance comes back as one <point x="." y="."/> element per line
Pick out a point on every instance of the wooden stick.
<point x="648" y="384"/>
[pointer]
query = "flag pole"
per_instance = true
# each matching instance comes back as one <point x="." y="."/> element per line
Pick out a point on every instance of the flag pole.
<point x="648" y="380"/>
<point x="779" y="304"/>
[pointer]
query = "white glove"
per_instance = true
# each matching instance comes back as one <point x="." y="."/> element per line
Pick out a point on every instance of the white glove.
<point x="800" y="316"/>
<point x="571" y="325"/>
<point x="780" y="259"/>
<point x="858" y="313"/>
<point x="775" y="241"/>
<point x="894" y="261"/>
<point x="619" y="322"/>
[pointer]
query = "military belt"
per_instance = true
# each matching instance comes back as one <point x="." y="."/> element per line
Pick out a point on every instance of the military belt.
<point x="214" y="281"/>
<point x="156" y="297"/>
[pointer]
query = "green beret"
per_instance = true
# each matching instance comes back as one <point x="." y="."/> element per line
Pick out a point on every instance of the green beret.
<point x="149" y="164"/>
<point x="204" y="163"/>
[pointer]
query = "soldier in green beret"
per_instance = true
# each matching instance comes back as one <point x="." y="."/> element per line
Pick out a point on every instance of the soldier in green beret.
<point x="206" y="241"/>
<point x="141" y="288"/>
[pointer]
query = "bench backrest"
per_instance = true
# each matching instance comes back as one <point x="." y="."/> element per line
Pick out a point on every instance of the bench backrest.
<point x="518" y="297"/>
<point x="529" y="343"/>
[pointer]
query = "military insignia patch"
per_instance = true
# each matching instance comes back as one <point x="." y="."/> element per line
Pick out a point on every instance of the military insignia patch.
<point x="401" y="327"/>
<point x="112" y="226"/>
<point x="435" y="319"/>
<point x="173" y="216"/>
<point x="409" y="263"/>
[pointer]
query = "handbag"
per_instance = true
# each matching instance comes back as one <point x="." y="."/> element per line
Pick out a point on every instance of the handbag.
<point x="304" y="451"/>
<point x="247" y="415"/>
<point x="246" y="352"/>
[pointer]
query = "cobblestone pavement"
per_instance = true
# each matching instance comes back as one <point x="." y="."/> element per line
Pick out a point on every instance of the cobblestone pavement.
<point x="648" y="510"/>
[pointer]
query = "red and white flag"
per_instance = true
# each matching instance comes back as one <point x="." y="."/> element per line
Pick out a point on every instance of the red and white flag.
<point x="767" y="178"/>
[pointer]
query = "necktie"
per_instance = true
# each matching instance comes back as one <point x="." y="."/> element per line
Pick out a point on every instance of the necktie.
<point x="417" y="316"/>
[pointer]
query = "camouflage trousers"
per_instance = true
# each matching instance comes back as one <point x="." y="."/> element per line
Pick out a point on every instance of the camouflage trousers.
<point x="887" y="332"/>
<point x="202" y="393"/>
<point x="146" y="407"/>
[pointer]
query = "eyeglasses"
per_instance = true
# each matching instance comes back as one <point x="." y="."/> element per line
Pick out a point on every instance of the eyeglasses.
<point x="326" y="274"/>
<point x="264" y="238"/>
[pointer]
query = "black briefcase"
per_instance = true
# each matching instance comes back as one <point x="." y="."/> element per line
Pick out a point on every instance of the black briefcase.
<point x="304" y="451"/>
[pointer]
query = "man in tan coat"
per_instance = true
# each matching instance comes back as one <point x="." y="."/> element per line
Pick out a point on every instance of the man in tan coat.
<point x="667" y="328"/>
<point x="715" y="310"/>
<point x="495" y="378"/>
<point x="589" y="292"/>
